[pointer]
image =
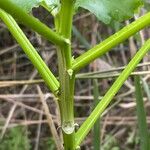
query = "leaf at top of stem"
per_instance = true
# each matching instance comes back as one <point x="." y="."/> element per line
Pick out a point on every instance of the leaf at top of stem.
<point x="27" y="5"/>
<point x="51" y="5"/>
<point x="108" y="10"/>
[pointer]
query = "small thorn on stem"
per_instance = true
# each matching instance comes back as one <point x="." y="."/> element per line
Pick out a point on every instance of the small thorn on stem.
<point x="70" y="72"/>
<point x="68" y="41"/>
<point x="78" y="148"/>
<point x="68" y="127"/>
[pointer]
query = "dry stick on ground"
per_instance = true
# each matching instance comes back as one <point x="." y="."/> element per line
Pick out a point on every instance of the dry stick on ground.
<point x="142" y="38"/>
<point x="33" y="97"/>
<point x="6" y="50"/>
<point x="38" y="133"/>
<point x="25" y="123"/>
<point x="19" y="82"/>
<point x="104" y="125"/>
<point x="35" y="72"/>
<point x="132" y="46"/>
<point x="50" y="120"/>
<point x="8" y="120"/>
<point x="123" y="55"/>
<point x="110" y="120"/>
<point x="15" y="104"/>
<point x="23" y="105"/>
<point x="32" y="81"/>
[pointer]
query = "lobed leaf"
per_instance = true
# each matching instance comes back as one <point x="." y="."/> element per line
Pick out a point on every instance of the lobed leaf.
<point x="108" y="10"/>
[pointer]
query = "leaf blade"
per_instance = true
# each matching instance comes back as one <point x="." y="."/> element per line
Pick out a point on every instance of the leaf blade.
<point x="107" y="11"/>
<point x="27" y="5"/>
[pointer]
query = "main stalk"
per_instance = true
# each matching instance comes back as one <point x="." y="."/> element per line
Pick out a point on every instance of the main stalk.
<point x="63" y="23"/>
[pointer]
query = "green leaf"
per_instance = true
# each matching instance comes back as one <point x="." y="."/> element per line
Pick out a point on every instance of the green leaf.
<point x="108" y="10"/>
<point x="27" y="5"/>
<point x="51" y="5"/>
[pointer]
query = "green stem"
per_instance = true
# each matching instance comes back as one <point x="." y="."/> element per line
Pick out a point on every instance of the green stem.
<point x="88" y="124"/>
<point x="110" y="42"/>
<point x="28" y="20"/>
<point x="35" y="58"/>
<point x="142" y="124"/>
<point x="96" y="130"/>
<point x="66" y="76"/>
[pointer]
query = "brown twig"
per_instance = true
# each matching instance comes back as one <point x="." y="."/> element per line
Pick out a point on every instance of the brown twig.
<point x="50" y="120"/>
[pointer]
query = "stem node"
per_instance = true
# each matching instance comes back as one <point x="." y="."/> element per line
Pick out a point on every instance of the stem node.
<point x="68" y="41"/>
<point x="70" y="73"/>
<point x="68" y="127"/>
<point x="78" y="148"/>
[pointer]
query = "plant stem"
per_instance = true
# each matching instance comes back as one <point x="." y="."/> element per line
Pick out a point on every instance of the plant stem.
<point x="28" y="20"/>
<point x="142" y="124"/>
<point x="88" y="124"/>
<point x="35" y="58"/>
<point x="66" y="76"/>
<point x="110" y="42"/>
<point x="96" y="130"/>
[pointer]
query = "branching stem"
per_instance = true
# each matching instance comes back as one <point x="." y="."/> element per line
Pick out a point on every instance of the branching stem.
<point x="66" y="75"/>
<point x="31" y="22"/>
<point x="111" y="42"/>
<point x="88" y="124"/>
<point x="35" y="58"/>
